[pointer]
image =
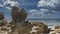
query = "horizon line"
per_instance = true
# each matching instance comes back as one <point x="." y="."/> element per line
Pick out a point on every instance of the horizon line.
<point x="43" y="19"/>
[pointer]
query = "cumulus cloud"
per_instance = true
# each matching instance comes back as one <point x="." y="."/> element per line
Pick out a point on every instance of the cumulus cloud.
<point x="8" y="4"/>
<point x="33" y="14"/>
<point x="48" y="6"/>
<point x="12" y="3"/>
<point x="1" y="5"/>
<point x="32" y="10"/>
<point x="42" y="12"/>
<point x="47" y="11"/>
<point x="9" y="8"/>
<point x="51" y="3"/>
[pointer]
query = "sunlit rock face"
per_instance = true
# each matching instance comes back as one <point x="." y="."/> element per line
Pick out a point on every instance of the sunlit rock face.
<point x="39" y="28"/>
<point x="55" y="30"/>
<point x="18" y="15"/>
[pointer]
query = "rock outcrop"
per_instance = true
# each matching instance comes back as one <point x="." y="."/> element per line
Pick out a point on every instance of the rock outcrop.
<point x="18" y="15"/>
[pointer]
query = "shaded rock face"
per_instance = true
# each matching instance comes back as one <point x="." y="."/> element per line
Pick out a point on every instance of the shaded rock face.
<point x="1" y="16"/>
<point x="2" y="20"/>
<point x="18" y="15"/>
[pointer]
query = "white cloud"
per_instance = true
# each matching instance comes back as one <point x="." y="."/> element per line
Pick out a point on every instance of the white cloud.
<point x="48" y="3"/>
<point x="45" y="12"/>
<point x="41" y="3"/>
<point x="8" y="8"/>
<point x="9" y="3"/>
<point x="32" y="10"/>
<point x="54" y="11"/>
<point x="12" y="3"/>
<point x="40" y="13"/>
<point x="1" y="5"/>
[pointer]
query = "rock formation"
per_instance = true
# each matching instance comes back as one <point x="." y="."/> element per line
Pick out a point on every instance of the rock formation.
<point x="1" y="16"/>
<point x="39" y="28"/>
<point x="18" y="15"/>
<point x="2" y="19"/>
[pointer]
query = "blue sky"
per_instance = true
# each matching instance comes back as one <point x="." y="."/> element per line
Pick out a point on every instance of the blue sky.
<point x="36" y="9"/>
